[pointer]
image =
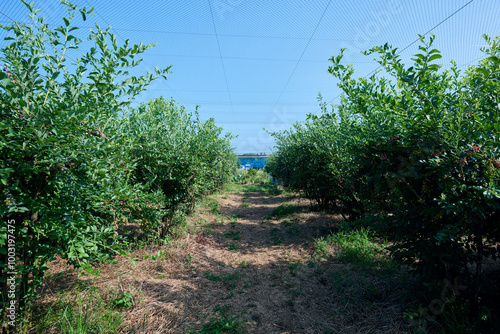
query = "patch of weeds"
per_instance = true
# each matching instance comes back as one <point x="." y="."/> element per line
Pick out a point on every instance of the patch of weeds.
<point x="289" y="284"/>
<point x="317" y="272"/>
<point x="320" y="248"/>
<point x="372" y="294"/>
<point x="295" y="292"/>
<point x="233" y="223"/>
<point x="274" y="276"/>
<point x="58" y="276"/>
<point x="80" y="311"/>
<point x="249" y="284"/>
<point x="292" y="226"/>
<point x="245" y="204"/>
<point x="293" y="268"/>
<point x="277" y="240"/>
<point x="233" y="247"/>
<point x="340" y="281"/>
<point x="244" y="264"/>
<point x="123" y="300"/>
<point x="224" y="322"/>
<point x="212" y="277"/>
<point x="269" y="189"/>
<point x="283" y="210"/>
<point x="202" y="221"/>
<point x="272" y="190"/>
<point x="233" y="188"/>
<point x="229" y="296"/>
<point x="238" y="215"/>
<point x="275" y="237"/>
<point x="311" y="263"/>
<point x="160" y="276"/>
<point x="235" y="235"/>
<point x="161" y="255"/>
<point x="187" y="262"/>
<point x="213" y="207"/>
<point x="357" y="248"/>
<point x="229" y="280"/>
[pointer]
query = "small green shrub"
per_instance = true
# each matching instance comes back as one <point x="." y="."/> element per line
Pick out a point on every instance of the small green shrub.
<point x="321" y="246"/>
<point x="123" y="300"/>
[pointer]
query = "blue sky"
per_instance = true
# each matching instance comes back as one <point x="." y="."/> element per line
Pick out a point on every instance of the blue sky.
<point x="260" y="64"/>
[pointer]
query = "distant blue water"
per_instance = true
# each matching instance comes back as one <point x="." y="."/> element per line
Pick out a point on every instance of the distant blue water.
<point x="252" y="162"/>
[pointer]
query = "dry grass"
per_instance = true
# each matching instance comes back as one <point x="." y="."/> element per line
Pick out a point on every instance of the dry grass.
<point x="281" y="287"/>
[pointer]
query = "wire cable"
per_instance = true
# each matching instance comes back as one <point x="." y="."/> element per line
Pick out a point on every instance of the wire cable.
<point x="221" y="59"/>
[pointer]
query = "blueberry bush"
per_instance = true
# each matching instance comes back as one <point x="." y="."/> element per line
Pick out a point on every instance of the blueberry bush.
<point x="414" y="156"/>
<point x="77" y="162"/>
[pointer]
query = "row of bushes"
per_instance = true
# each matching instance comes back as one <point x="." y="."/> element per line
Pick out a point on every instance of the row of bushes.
<point x="414" y="156"/>
<point x="76" y="161"/>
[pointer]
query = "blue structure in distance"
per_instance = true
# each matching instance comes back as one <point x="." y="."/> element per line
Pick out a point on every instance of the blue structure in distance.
<point x="252" y="161"/>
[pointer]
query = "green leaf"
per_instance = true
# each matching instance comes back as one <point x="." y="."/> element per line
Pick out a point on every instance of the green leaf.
<point x="434" y="57"/>
<point x="6" y="82"/>
<point x="419" y="55"/>
<point x="494" y="59"/>
<point x="66" y="21"/>
<point x="483" y="71"/>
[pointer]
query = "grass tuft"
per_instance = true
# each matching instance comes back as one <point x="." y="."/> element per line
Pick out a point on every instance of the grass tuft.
<point x="84" y="311"/>
<point x="224" y="322"/>
<point x="283" y="210"/>
<point x="356" y="247"/>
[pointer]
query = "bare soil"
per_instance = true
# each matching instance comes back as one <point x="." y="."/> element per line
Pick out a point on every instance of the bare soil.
<point x="260" y="267"/>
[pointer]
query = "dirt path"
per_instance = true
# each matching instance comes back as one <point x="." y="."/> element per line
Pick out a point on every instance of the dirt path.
<point x="239" y="260"/>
